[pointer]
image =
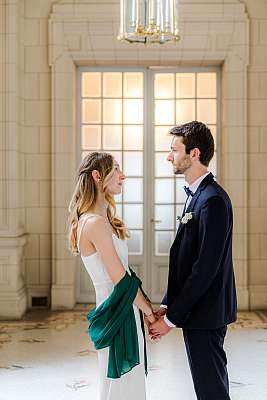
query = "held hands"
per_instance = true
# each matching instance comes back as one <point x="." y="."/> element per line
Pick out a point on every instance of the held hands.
<point x="159" y="329"/>
<point x="154" y="316"/>
<point x="156" y="324"/>
<point x="160" y="312"/>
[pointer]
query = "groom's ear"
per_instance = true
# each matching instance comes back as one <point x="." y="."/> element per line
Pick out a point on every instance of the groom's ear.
<point x="195" y="153"/>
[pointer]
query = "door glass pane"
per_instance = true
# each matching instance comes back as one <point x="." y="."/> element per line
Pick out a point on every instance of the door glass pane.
<point x="214" y="134"/>
<point x="117" y="156"/>
<point x="118" y="198"/>
<point x="185" y="111"/>
<point x="163" y="242"/>
<point x="84" y="154"/>
<point x="162" y="166"/>
<point x="112" y="137"/>
<point x="164" y="191"/>
<point x="91" y="137"/>
<point x="212" y="165"/>
<point x="133" y="215"/>
<point x="185" y="85"/>
<point x="180" y="193"/>
<point x="133" y="163"/>
<point x="164" y="112"/>
<point x="91" y="111"/>
<point x="135" y="242"/>
<point x="133" y="84"/>
<point x="133" y="137"/>
<point x="132" y="111"/>
<point x="133" y="190"/>
<point x="118" y="209"/>
<point x="206" y="111"/>
<point x="164" y="214"/>
<point x="164" y="86"/>
<point x="206" y="84"/>
<point x="112" y="111"/>
<point x="112" y="84"/>
<point x="162" y="139"/>
<point x="91" y="84"/>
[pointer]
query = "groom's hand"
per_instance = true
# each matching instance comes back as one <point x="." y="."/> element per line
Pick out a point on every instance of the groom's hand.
<point x="159" y="328"/>
<point x="160" y="312"/>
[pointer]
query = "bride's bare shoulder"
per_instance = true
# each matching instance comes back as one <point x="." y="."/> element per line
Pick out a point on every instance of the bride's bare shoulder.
<point x="96" y="225"/>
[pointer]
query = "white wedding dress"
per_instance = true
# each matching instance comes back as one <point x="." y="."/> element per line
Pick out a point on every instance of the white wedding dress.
<point x="130" y="386"/>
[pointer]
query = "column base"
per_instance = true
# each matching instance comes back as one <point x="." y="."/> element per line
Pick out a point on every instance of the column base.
<point x="63" y="297"/>
<point x="13" y="305"/>
<point x="13" y="292"/>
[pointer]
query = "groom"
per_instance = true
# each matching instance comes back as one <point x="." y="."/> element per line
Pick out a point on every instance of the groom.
<point x="201" y="295"/>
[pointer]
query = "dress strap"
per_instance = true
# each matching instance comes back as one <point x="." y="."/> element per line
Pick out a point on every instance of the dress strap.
<point x="83" y="221"/>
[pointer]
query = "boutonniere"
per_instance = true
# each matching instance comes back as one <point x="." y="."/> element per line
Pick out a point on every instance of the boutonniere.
<point x="185" y="218"/>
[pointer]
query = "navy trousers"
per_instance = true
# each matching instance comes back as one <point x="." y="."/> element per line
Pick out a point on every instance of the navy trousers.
<point x="208" y="363"/>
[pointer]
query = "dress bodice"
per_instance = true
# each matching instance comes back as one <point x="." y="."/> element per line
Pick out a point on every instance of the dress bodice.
<point x="102" y="283"/>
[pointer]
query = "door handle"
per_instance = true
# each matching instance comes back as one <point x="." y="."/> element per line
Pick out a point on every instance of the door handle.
<point x="155" y="220"/>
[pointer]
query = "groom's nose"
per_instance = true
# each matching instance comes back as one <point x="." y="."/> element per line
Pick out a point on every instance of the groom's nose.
<point x="170" y="157"/>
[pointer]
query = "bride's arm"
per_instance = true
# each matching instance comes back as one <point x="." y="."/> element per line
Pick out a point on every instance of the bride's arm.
<point x="98" y="232"/>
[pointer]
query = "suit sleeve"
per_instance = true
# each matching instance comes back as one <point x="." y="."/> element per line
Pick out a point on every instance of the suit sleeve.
<point x="164" y="300"/>
<point x="213" y="227"/>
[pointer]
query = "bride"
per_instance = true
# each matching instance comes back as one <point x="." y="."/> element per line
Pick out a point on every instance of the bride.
<point x="100" y="238"/>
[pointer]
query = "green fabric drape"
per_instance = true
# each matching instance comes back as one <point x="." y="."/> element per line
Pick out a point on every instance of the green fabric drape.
<point x="113" y="325"/>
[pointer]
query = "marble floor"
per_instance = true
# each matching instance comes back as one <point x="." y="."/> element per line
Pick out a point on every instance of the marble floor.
<point x="47" y="355"/>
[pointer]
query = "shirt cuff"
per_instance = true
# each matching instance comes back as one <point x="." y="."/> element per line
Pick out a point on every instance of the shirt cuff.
<point x="163" y="306"/>
<point x="169" y="323"/>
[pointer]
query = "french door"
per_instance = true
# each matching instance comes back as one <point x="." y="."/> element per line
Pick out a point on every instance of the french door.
<point x="128" y="112"/>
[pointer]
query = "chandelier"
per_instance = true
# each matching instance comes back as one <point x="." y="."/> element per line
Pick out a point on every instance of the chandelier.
<point x="149" y="21"/>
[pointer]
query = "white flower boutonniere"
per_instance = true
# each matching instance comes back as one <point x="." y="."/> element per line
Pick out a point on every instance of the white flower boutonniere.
<point x="185" y="218"/>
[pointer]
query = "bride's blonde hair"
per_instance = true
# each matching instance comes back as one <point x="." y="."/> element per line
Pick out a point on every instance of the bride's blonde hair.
<point x="85" y="195"/>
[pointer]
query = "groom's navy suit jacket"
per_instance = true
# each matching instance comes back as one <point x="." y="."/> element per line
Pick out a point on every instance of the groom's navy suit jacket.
<point x="201" y="290"/>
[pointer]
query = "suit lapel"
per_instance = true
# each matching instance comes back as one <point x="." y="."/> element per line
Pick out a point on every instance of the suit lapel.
<point x="209" y="178"/>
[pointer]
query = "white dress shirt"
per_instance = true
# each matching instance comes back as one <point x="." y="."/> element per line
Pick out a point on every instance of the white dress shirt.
<point x="193" y="187"/>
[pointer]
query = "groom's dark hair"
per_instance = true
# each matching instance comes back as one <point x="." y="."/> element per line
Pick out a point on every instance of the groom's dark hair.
<point x="196" y="135"/>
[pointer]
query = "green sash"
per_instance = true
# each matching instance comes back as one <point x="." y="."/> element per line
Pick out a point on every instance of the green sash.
<point x="113" y="325"/>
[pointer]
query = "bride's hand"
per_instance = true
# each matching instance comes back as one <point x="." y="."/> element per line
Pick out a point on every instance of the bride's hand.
<point x="151" y="318"/>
